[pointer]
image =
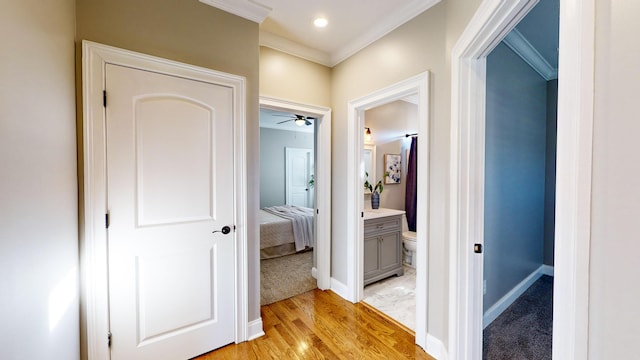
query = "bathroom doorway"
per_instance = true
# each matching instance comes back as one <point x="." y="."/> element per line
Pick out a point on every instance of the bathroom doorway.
<point x="390" y="161"/>
<point x="354" y="288"/>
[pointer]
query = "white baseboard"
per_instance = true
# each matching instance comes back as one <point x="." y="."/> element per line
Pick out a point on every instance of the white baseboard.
<point x="314" y="272"/>
<point x="436" y="348"/>
<point x="339" y="288"/>
<point x="547" y="270"/>
<point x="254" y="329"/>
<point x="501" y="305"/>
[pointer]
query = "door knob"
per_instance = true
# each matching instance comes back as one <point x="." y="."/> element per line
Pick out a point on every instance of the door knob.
<point x="225" y="230"/>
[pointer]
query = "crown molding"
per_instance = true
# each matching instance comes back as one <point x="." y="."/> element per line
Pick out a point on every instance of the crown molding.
<point x="248" y="9"/>
<point x="386" y="25"/>
<point x="523" y="48"/>
<point x="279" y="43"/>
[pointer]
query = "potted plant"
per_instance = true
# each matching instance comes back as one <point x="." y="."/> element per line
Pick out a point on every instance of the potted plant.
<point x="375" y="194"/>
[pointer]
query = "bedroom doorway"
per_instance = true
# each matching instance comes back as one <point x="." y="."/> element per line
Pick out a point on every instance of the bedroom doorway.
<point x="294" y="213"/>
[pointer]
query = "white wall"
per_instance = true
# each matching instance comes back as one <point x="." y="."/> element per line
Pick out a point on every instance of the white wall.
<point x="38" y="186"/>
<point x="614" y="293"/>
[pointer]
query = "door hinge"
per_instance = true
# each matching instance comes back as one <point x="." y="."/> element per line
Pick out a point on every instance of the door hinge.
<point x="109" y="338"/>
<point x="361" y="214"/>
<point x="107" y="221"/>
<point x="104" y="98"/>
<point x="318" y="211"/>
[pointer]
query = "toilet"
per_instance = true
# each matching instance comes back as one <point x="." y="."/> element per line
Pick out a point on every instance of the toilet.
<point x="409" y="244"/>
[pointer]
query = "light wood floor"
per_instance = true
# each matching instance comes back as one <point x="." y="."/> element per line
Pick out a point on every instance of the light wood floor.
<point x="321" y="325"/>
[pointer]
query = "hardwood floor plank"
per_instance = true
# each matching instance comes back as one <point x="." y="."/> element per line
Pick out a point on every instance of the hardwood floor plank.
<point x="326" y="329"/>
<point x="321" y="325"/>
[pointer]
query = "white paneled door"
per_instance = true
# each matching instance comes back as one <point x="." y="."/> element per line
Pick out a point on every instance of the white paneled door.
<point x="299" y="169"/>
<point x="170" y="186"/>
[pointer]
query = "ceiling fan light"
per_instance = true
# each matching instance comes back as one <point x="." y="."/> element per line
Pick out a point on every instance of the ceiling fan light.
<point x="300" y="122"/>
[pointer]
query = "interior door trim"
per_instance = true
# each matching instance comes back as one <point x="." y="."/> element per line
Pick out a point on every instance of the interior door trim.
<point x="93" y="233"/>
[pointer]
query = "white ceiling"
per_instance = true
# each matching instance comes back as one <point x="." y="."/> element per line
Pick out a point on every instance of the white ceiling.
<point x="287" y="25"/>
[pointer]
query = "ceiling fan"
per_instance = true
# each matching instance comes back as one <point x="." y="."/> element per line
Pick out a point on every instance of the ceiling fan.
<point x="298" y="119"/>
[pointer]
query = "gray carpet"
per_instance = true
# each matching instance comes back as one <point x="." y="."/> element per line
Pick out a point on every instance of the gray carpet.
<point x="523" y="331"/>
<point x="286" y="276"/>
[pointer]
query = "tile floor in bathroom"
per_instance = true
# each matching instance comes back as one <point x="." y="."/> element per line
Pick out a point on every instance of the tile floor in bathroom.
<point x="395" y="296"/>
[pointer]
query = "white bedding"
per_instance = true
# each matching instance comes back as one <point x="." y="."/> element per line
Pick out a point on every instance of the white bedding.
<point x="274" y="230"/>
<point x="301" y="220"/>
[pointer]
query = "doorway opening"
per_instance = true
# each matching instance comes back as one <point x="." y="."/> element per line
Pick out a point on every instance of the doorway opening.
<point x="519" y="188"/>
<point x="573" y="182"/>
<point x="417" y="85"/>
<point x="294" y="202"/>
<point x="390" y="160"/>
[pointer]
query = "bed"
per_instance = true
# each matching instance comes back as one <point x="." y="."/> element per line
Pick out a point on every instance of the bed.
<point x="285" y="230"/>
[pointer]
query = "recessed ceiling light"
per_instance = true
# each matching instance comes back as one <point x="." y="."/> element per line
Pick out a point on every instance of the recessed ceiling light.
<point x="320" y="22"/>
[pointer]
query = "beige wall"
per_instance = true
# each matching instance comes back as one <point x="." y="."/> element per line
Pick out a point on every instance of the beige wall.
<point x="411" y="49"/>
<point x="193" y="33"/>
<point x="614" y="293"/>
<point x="38" y="211"/>
<point x="393" y="195"/>
<point x="394" y="119"/>
<point x="424" y="43"/>
<point x="288" y="77"/>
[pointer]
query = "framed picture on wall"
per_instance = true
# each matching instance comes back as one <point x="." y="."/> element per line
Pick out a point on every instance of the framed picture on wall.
<point x="392" y="165"/>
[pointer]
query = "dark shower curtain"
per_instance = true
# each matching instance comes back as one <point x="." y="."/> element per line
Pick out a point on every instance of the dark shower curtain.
<point x="411" y="194"/>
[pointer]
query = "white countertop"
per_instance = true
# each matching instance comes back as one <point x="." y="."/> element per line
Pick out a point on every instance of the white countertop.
<point x="381" y="212"/>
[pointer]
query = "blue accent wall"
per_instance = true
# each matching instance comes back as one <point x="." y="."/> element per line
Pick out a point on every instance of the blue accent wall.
<point x="550" y="172"/>
<point x="515" y="172"/>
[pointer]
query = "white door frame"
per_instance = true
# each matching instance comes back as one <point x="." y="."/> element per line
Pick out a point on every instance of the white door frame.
<point x="322" y="176"/>
<point x="93" y="255"/>
<point x="418" y="84"/>
<point x="492" y="21"/>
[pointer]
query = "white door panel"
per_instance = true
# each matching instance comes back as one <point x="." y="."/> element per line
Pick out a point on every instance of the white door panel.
<point x="170" y="185"/>
<point x="170" y="133"/>
<point x="299" y="164"/>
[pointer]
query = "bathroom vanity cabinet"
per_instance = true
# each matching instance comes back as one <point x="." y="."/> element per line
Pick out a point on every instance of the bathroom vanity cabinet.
<point x="382" y="245"/>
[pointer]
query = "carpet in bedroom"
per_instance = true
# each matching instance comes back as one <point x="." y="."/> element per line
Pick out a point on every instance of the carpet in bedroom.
<point x="523" y="331"/>
<point x="286" y="276"/>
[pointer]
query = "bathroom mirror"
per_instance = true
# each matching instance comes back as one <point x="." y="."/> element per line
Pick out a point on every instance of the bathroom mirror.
<point x="369" y="164"/>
